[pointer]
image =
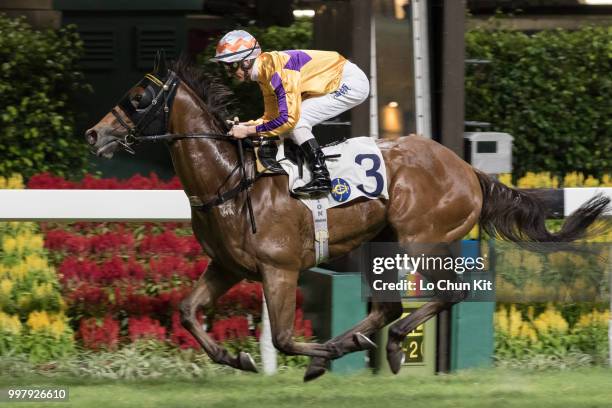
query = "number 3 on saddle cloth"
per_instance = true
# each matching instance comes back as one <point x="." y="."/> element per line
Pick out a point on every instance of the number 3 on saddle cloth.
<point x="356" y="168"/>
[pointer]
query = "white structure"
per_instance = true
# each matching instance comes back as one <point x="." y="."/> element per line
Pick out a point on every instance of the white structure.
<point x="490" y="152"/>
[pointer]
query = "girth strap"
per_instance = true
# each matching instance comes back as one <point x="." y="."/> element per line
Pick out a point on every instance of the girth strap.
<point x="197" y="203"/>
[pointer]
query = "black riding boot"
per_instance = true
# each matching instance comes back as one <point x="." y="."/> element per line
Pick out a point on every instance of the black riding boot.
<point x="320" y="183"/>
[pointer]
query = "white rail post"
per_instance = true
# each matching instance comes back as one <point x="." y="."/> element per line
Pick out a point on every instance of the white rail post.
<point x="373" y="80"/>
<point x="266" y="348"/>
<point x="420" y="47"/>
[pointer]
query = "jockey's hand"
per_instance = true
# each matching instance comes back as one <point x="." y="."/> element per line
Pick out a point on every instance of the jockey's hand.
<point x="242" y="131"/>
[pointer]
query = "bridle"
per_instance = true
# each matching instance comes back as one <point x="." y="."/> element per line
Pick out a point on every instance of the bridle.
<point x="154" y="119"/>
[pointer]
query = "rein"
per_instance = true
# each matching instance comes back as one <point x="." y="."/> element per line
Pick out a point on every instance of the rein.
<point x="165" y="90"/>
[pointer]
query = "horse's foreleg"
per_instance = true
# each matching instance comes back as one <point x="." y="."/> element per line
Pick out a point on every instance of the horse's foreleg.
<point x="279" y="288"/>
<point x="357" y="338"/>
<point x="208" y="288"/>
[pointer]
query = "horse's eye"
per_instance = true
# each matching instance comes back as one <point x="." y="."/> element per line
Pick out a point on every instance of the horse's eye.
<point x="137" y="98"/>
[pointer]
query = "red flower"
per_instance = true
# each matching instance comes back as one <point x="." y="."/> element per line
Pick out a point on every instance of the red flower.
<point x="301" y="327"/>
<point x="167" y="266"/>
<point x="180" y="336"/>
<point x="234" y="327"/>
<point x="135" y="270"/>
<point x="88" y="300"/>
<point x="166" y="242"/>
<point x="112" y="242"/>
<point x="96" y="335"/>
<point x="145" y="327"/>
<point x="246" y="297"/>
<point x="133" y="303"/>
<point x="137" y="182"/>
<point x="49" y="181"/>
<point x="112" y="270"/>
<point x="73" y="268"/>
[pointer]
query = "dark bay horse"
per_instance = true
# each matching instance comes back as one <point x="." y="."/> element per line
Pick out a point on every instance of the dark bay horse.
<point x="434" y="197"/>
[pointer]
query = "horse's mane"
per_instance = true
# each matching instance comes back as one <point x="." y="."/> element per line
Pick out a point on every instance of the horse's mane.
<point x="213" y="93"/>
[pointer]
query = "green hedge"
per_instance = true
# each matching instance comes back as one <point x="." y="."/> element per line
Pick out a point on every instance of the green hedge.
<point x="551" y="91"/>
<point x="38" y="81"/>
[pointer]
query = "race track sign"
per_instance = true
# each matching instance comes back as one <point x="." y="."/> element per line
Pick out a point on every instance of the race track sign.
<point x="414" y="344"/>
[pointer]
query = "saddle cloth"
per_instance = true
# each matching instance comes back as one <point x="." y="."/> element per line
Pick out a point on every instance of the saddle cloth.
<point x="359" y="171"/>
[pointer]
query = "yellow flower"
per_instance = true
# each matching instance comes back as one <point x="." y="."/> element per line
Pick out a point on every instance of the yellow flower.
<point x="35" y="243"/>
<point x="22" y="242"/>
<point x="595" y="318"/>
<point x="38" y="321"/>
<point x="15" y="181"/>
<point x="591" y="182"/>
<point x="19" y="271"/>
<point x="9" y="245"/>
<point x="515" y="321"/>
<point x="505" y="178"/>
<point x="10" y="323"/>
<point x="35" y="263"/>
<point x="501" y="320"/>
<point x="573" y="179"/>
<point x="58" y="326"/>
<point x="6" y="287"/>
<point x="43" y="321"/>
<point x="42" y="291"/>
<point x="551" y="321"/>
<point x="528" y="332"/>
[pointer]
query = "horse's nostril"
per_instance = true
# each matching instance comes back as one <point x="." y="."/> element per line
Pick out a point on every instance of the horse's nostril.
<point x="91" y="136"/>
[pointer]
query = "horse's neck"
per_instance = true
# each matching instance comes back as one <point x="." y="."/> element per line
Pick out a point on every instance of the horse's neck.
<point x="202" y="165"/>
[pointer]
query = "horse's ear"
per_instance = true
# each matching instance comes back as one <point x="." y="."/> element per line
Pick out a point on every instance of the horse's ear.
<point x="160" y="67"/>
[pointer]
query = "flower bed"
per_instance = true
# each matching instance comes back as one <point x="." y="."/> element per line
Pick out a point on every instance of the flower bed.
<point x="551" y="336"/>
<point x="32" y="311"/>
<point x="123" y="282"/>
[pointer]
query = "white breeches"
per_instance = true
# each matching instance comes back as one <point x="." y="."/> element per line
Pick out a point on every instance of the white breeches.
<point x="354" y="88"/>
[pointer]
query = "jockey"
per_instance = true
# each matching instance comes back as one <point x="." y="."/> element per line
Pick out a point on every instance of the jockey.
<point x="301" y="88"/>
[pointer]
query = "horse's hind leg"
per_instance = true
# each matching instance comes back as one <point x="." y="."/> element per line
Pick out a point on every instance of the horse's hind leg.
<point x="209" y="287"/>
<point x="357" y="338"/>
<point x="400" y="329"/>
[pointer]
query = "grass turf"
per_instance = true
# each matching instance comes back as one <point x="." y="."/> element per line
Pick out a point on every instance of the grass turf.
<point x="475" y="388"/>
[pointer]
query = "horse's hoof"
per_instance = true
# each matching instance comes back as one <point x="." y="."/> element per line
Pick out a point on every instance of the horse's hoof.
<point x="316" y="368"/>
<point x="395" y="356"/>
<point x="364" y="342"/>
<point x="246" y="362"/>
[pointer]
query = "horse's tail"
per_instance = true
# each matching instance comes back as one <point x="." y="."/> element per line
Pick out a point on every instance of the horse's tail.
<point x="517" y="215"/>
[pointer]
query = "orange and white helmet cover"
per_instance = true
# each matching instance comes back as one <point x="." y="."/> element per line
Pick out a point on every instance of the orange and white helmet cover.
<point x="236" y="46"/>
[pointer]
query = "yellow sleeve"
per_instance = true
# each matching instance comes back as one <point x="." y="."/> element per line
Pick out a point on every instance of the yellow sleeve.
<point x="255" y="122"/>
<point x="282" y="103"/>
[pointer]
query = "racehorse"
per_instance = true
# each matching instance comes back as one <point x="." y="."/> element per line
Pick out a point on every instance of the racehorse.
<point x="434" y="197"/>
